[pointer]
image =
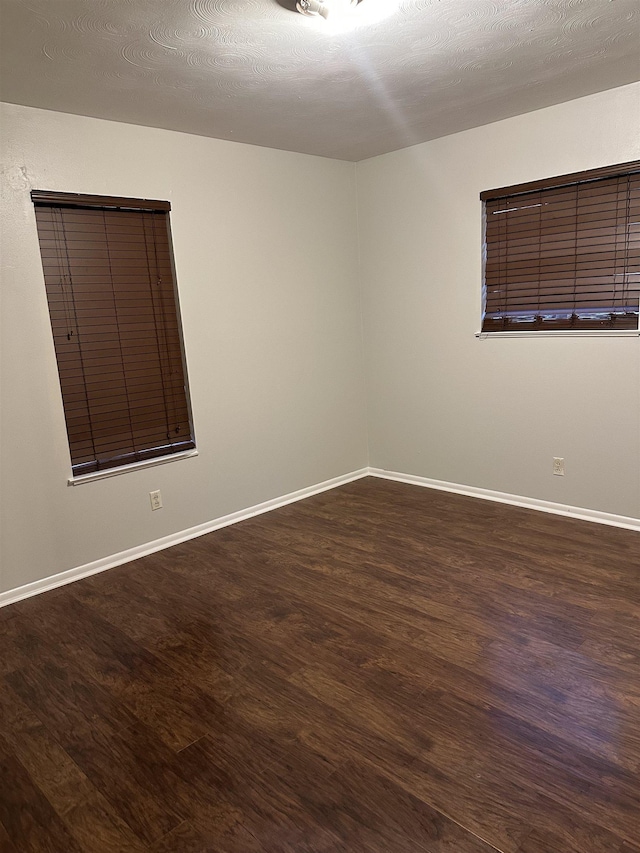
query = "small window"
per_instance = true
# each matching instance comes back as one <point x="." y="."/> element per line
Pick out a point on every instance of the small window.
<point x="564" y="253"/>
<point x="108" y="270"/>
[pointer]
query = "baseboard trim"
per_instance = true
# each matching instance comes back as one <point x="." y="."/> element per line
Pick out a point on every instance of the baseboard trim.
<point x="71" y="575"/>
<point x="63" y="578"/>
<point x="515" y="500"/>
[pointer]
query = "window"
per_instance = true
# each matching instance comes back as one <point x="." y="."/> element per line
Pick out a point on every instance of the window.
<point x="564" y="253"/>
<point x="108" y="271"/>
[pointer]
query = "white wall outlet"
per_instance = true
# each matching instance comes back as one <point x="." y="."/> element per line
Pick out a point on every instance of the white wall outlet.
<point x="156" y="499"/>
<point x="558" y="466"/>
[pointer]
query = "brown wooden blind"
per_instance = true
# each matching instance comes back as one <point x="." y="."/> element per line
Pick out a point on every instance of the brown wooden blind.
<point x="108" y="271"/>
<point x="564" y="253"/>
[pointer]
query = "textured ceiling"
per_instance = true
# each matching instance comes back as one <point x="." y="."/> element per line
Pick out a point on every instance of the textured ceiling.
<point x="255" y="71"/>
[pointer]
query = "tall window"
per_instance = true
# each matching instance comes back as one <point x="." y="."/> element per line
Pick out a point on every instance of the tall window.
<point x="108" y="271"/>
<point x="564" y="253"/>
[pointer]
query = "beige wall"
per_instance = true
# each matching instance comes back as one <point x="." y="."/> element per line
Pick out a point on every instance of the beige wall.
<point x="491" y="413"/>
<point x="266" y="253"/>
<point x="266" y="246"/>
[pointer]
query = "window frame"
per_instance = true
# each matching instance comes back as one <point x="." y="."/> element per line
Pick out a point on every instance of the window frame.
<point x="144" y="453"/>
<point x="542" y="327"/>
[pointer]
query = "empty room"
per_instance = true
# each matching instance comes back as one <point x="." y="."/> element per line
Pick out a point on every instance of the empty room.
<point x="320" y="472"/>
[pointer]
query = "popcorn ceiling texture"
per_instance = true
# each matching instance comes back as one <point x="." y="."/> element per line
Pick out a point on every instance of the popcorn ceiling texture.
<point x="254" y="71"/>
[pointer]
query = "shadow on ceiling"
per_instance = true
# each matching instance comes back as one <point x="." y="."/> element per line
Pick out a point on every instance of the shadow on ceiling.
<point x="287" y="4"/>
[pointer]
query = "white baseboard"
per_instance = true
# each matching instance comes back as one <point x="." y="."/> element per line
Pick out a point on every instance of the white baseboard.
<point x="516" y="500"/>
<point x="53" y="581"/>
<point x="127" y="556"/>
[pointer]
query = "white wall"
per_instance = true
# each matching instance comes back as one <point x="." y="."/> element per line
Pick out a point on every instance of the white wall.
<point x="491" y="413"/>
<point x="266" y="253"/>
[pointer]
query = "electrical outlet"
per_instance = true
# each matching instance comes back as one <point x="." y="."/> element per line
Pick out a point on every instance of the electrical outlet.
<point x="156" y="499"/>
<point x="558" y="466"/>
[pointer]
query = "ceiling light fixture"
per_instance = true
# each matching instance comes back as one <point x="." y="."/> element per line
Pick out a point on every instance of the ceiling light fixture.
<point x="324" y="8"/>
<point x="342" y="16"/>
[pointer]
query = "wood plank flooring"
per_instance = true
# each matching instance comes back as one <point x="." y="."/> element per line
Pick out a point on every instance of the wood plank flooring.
<point x="379" y="668"/>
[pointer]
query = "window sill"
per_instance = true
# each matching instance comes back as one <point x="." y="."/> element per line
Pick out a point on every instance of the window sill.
<point x="135" y="466"/>
<point x="563" y="333"/>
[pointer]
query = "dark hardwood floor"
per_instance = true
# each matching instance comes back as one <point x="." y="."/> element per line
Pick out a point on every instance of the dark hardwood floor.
<point x="379" y="668"/>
